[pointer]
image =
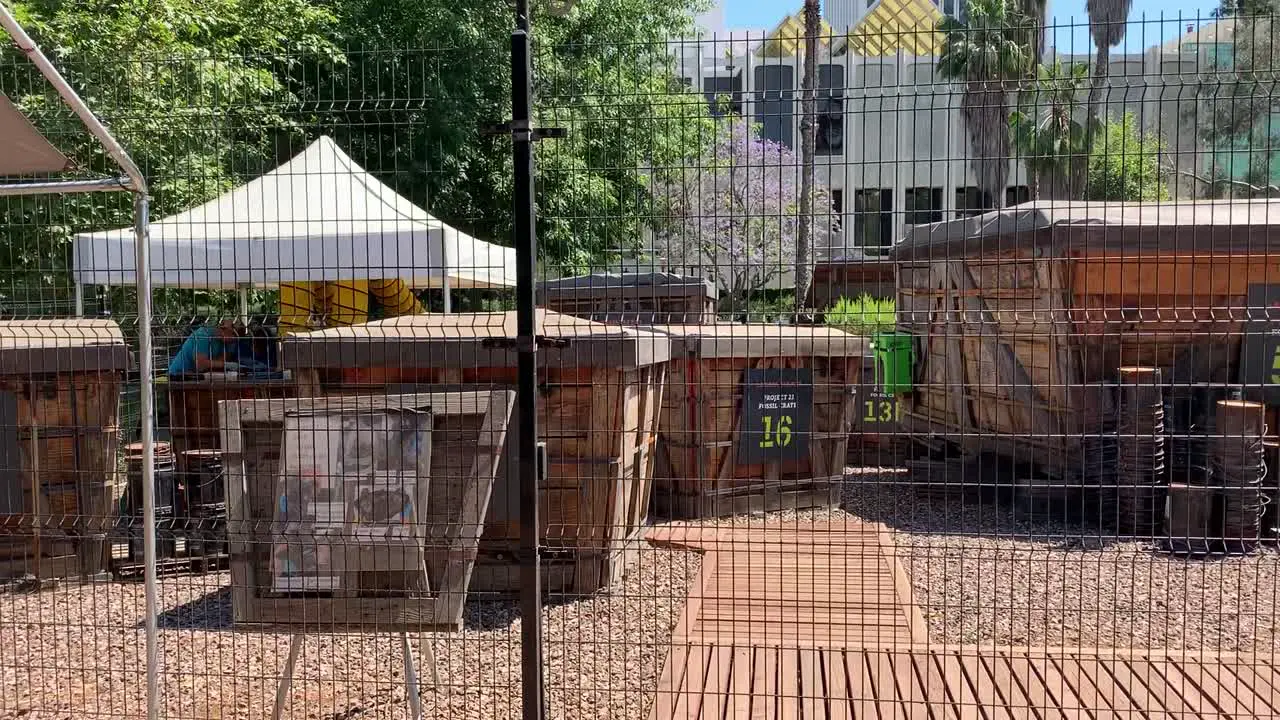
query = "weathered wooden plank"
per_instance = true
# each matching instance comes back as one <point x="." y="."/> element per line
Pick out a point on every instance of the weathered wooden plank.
<point x="953" y="361"/>
<point x="670" y="681"/>
<point x="764" y="705"/>
<point x="1010" y="372"/>
<point x="788" y="684"/>
<point x="812" y="692"/>
<point x="689" y="694"/>
<point x="740" y="689"/>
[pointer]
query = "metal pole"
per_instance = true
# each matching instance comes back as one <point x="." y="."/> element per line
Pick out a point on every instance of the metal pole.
<point x="73" y="101"/>
<point x="444" y="276"/>
<point x="65" y="187"/>
<point x="79" y="300"/>
<point x="244" y="305"/>
<point x="526" y="242"/>
<point x="142" y="260"/>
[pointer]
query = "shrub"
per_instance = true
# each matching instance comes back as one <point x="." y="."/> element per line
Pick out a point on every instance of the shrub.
<point x="863" y="315"/>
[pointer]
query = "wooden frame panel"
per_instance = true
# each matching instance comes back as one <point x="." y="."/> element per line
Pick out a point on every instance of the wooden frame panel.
<point x="461" y="539"/>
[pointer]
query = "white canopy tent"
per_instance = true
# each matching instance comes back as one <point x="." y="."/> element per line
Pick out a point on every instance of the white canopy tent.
<point x="319" y="217"/>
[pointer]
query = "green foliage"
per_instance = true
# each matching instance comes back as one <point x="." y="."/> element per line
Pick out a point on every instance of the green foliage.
<point x="602" y="72"/>
<point x="762" y="306"/>
<point x="207" y="94"/>
<point x="1047" y="132"/>
<point x="191" y="87"/>
<point x="991" y="43"/>
<point x="863" y="315"/>
<point x="1125" y="163"/>
<point x="1237" y="112"/>
<point x="990" y="51"/>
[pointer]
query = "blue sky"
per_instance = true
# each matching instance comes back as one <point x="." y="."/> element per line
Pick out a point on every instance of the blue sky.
<point x="1151" y="21"/>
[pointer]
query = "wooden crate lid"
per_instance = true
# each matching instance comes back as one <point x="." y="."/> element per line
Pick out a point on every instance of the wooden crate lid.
<point x="629" y="286"/>
<point x="1056" y="228"/>
<point x="71" y="345"/>
<point x="752" y="340"/>
<point x="473" y="340"/>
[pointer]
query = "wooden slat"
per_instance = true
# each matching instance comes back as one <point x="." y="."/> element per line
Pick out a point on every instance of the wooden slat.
<point x="768" y="700"/>
<point x="740" y="686"/>
<point x="689" y="694"/>
<point x="715" y="689"/>
<point x="812" y="692"/>
<point x="789" y="684"/>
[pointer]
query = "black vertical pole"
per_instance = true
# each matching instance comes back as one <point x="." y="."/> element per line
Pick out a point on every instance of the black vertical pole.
<point x="526" y="244"/>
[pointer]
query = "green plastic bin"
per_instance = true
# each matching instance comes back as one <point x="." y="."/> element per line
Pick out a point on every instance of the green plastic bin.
<point x="895" y="357"/>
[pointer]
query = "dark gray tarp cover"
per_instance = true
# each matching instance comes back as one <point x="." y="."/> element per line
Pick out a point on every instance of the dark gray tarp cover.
<point x="23" y="150"/>
<point x="1057" y="226"/>
<point x="651" y="283"/>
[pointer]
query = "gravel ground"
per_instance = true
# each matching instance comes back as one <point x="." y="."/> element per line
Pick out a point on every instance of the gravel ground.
<point x="80" y="651"/>
<point x="983" y="575"/>
<point x="980" y="573"/>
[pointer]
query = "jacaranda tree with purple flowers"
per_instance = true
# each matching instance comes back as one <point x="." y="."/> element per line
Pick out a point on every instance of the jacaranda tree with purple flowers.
<point x="732" y="212"/>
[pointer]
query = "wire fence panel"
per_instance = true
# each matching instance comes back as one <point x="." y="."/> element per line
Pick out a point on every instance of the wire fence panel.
<point x="927" y="378"/>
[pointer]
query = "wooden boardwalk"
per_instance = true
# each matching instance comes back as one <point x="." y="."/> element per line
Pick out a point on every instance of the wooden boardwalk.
<point x="806" y="621"/>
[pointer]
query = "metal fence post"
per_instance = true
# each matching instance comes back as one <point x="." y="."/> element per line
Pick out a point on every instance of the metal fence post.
<point x="142" y="257"/>
<point x="526" y="337"/>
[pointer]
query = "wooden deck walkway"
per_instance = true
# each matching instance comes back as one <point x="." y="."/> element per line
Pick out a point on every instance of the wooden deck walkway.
<point x="806" y="621"/>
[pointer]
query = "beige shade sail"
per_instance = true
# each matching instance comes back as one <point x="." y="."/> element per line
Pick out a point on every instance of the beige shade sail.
<point x="23" y="150"/>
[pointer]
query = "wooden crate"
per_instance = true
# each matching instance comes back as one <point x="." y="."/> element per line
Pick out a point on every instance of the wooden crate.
<point x="193" y="407"/>
<point x="1022" y="317"/>
<point x="59" y="412"/>
<point x="632" y="298"/>
<point x="699" y="474"/>
<point x="469" y="431"/>
<point x="600" y="389"/>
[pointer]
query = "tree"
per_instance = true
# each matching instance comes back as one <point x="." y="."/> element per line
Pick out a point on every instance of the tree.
<point x="808" y="149"/>
<point x="1125" y="163"/>
<point x="1048" y="133"/>
<point x="192" y="88"/>
<point x="1247" y="8"/>
<point x="987" y="51"/>
<point x="1107" y="19"/>
<point x="1237" y="113"/>
<point x="734" y="211"/>
<point x="431" y="75"/>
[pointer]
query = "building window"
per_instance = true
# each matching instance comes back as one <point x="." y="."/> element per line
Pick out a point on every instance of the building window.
<point x="724" y="94"/>
<point x="1017" y="195"/>
<point x="873" y="220"/>
<point x="970" y="201"/>
<point x="830" y="110"/>
<point x="923" y="205"/>
<point x="775" y="102"/>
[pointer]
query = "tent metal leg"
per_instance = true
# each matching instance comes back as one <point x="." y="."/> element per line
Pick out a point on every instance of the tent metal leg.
<point x="411" y="688"/>
<point x="79" y="300"/>
<point x="282" y="690"/>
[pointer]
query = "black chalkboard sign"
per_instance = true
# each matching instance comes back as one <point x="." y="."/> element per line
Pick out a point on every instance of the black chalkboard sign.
<point x="777" y="413"/>
<point x="1260" y="350"/>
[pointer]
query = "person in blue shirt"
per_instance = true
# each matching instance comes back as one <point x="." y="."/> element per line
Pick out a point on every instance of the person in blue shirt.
<point x="208" y="348"/>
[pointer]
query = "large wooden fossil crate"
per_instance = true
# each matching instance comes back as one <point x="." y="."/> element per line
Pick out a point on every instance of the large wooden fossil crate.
<point x="467" y="432"/>
<point x="600" y="388"/>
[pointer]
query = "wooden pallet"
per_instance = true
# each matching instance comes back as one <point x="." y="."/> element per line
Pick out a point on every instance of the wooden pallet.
<point x="818" y="493"/>
<point x="750" y="680"/>
<point x="816" y="621"/>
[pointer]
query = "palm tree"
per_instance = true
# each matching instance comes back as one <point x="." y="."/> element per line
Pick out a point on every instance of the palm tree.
<point x="1107" y="20"/>
<point x="808" y="149"/>
<point x="1048" y="133"/>
<point x="1034" y="10"/>
<point x="990" y="52"/>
